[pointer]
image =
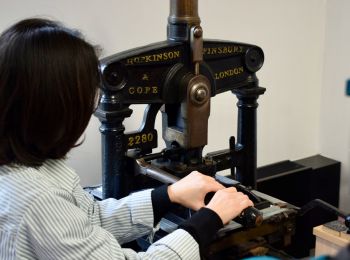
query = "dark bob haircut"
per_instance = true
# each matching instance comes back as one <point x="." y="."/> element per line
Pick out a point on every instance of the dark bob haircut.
<point x="48" y="86"/>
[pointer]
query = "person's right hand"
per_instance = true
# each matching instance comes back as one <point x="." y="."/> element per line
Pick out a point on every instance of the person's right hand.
<point x="190" y="191"/>
<point x="228" y="203"/>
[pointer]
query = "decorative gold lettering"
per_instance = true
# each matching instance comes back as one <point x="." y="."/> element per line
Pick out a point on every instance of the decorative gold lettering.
<point x="229" y="73"/>
<point x="140" y="138"/>
<point x="137" y="139"/>
<point x="223" y="50"/>
<point x="159" y="57"/>
<point x="143" y="90"/>
<point x="154" y="90"/>
<point x="132" y="90"/>
<point x="130" y="141"/>
<point x="139" y="90"/>
<point x="147" y="58"/>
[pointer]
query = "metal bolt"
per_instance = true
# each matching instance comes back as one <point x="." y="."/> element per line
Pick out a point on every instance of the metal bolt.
<point x="200" y="94"/>
<point x="198" y="32"/>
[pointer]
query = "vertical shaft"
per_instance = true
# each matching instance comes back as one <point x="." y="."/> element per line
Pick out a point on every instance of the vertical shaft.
<point x="183" y="15"/>
<point x="113" y="170"/>
<point x="247" y="133"/>
<point x="246" y="137"/>
<point x="112" y="115"/>
<point x="184" y="11"/>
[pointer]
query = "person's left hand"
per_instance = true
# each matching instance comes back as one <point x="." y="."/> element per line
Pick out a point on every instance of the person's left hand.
<point x="190" y="191"/>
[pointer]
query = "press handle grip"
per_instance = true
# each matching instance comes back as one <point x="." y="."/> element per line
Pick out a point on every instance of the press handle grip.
<point x="250" y="217"/>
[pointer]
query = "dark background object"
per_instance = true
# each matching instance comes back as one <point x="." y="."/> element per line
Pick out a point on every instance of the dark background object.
<point x="298" y="182"/>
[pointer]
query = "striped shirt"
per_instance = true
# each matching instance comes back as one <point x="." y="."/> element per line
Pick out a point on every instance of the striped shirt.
<point x="45" y="214"/>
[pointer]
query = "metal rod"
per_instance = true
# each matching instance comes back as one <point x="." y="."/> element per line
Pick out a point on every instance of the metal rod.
<point x="153" y="172"/>
<point x="184" y="11"/>
<point x="183" y="15"/>
<point x="247" y="133"/>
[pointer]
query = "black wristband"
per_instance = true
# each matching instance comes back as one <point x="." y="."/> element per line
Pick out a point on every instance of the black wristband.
<point x="160" y="202"/>
<point x="203" y="226"/>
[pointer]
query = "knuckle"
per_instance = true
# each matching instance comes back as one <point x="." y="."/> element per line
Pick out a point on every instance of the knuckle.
<point x="195" y="173"/>
<point x="221" y="192"/>
<point x="231" y="189"/>
<point x="239" y="193"/>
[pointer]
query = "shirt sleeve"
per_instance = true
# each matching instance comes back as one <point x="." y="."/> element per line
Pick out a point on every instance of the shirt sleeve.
<point x="58" y="229"/>
<point x="126" y="219"/>
<point x="202" y="226"/>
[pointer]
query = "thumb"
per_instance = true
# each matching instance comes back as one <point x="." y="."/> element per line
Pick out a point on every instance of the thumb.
<point x="198" y="205"/>
<point x="214" y="186"/>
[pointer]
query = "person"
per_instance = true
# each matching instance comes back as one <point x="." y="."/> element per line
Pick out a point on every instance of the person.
<point x="49" y="82"/>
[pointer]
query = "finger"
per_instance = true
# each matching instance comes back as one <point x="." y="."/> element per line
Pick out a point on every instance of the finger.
<point x="243" y="197"/>
<point x="251" y="203"/>
<point x="208" y="179"/>
<point x="232" y="190"/>
<point x="199" y="206"/>
<point x="246" y="203"/>
<point x="194" y="173"/>
<point x="209" y="184"/>
<point x="215" y="186"/>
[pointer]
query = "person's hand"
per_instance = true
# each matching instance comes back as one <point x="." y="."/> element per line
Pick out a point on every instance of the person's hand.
<point x="191" y="190"/>
<point x="228" y="203"/>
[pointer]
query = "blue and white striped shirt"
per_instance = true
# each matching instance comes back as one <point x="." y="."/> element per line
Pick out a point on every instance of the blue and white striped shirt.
<point x="45" y="214"/>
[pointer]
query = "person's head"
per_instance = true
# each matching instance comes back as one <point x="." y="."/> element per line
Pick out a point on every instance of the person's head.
<point x="48" y="85"/>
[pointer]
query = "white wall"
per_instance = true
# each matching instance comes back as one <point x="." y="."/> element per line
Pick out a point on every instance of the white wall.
<point x="291" y="33"/>
<point x="335" y="106"/>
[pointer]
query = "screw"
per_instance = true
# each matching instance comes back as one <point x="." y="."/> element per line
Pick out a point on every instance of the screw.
<point x="198" y="32"/>
<point x="200" y="94"/>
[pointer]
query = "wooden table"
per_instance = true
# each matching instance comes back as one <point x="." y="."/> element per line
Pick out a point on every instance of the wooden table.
<point x="330" y="238"/>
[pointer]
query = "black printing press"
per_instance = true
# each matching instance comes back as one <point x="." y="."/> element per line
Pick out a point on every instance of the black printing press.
<point x="178" y="78"/>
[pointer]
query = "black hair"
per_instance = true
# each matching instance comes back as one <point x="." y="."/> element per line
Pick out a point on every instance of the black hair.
<point x="49" y="79"/>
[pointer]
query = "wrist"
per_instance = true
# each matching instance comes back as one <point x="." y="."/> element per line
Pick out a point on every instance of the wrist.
<point x="171" y="194"/>
<point x="217" y="212"/>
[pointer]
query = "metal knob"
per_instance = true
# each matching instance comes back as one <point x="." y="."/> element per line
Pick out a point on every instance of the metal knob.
<point x="199" y="93"/>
